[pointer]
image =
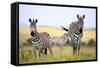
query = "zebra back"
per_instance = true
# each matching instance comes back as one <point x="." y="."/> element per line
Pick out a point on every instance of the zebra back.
<point x="41" y="40"/>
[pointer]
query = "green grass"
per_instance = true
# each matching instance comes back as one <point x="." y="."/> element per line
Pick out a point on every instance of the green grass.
<point x="26" y="54"/>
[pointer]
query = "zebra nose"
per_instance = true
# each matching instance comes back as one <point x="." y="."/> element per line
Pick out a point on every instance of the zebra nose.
<point x="81" y="30"/>
<point x="32" y="33"/>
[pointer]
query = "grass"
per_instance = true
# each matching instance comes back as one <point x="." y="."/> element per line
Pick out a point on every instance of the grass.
<point x="26" y="54"/>
<point x="86" y="53"/>
<point x="89" y="34"/>
<point x="57" y="32"/>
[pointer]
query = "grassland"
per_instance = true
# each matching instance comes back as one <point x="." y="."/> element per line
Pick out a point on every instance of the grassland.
<point x="26" y="54"/>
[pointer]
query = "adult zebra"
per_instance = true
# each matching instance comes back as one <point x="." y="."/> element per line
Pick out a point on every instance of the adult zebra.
<point x="75" y="32"/>
<point x="41" y="41"/>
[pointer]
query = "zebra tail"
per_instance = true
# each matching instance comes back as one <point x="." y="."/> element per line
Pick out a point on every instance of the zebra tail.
<point x="64" y="28"/>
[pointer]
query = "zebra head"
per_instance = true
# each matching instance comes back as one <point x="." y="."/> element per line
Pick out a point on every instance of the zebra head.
<point x="80" y="23"/>
<point x="65" y="37"/>
<point x="33" y="28"/>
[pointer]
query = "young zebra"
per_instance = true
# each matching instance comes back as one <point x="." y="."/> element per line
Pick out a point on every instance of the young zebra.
<point x="41" y="41"/>
<point x="75" y="32"/>
<point x="60" y="41"/>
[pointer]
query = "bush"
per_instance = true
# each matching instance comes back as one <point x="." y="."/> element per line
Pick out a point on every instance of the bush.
<point x="28" y="42"/>
<point x="83" y="43"/>
<point x="91" y="42"/>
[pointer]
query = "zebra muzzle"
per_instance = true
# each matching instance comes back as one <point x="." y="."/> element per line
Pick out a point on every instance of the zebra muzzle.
<point x="80" y="30"/>
<point x="32" y="33"/>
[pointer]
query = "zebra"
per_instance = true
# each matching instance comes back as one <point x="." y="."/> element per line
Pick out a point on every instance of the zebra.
<point x="75" y="32"/>
<point x="41" y="41"/>
<point x="60" y="41"/>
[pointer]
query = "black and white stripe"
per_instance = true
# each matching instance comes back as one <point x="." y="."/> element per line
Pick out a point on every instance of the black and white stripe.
<point x="40" y="41"/>
<point x="40" y="44"/>
<point x="75" y="32"/>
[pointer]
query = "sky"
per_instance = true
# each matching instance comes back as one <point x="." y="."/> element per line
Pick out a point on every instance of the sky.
<point x="55" y="16"/>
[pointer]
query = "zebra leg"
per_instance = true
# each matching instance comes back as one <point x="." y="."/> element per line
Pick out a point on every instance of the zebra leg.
<point x="34" y="51"/>
<point x="40" y="51"/>
<point x="78" y="49"/>
<point x="73" y="44"/>
<point x="50" y="50"/>
<point x="45" y="51"/>
<point x="78" y="46"/>
<point x="73" y="49"/>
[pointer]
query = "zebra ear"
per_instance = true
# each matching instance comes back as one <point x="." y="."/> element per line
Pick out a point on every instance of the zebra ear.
<point x="78" y="16"/>
<point x="83" y="16"/>
<point x="36" y="21"/>
<point x="30" y="20"/>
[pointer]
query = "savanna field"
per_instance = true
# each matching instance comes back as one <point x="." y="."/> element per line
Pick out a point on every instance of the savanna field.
<point x="87" y="51"/>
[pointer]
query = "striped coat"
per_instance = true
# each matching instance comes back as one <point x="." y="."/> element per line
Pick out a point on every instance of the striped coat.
<point x="60" y="41"/>
<point x="75" y="32"/>
<point x="41" y="41"/>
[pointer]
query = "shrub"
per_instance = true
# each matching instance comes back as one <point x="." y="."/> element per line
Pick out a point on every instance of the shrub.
<point x="83" y="43"/>
<point x="91" y="42"/>
<point x="27" y="43"/>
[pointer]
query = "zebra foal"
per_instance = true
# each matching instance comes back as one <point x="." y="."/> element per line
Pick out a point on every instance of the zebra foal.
<point x="61" y="41"/>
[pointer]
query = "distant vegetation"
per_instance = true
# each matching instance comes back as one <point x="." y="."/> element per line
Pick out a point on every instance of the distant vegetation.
<point x="91" y="42"/>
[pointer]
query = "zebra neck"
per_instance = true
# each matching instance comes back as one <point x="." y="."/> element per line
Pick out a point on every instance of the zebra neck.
<point x="35" y="36"/>
<point x="77" y="32"/>
<point x="77" y="36"/>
